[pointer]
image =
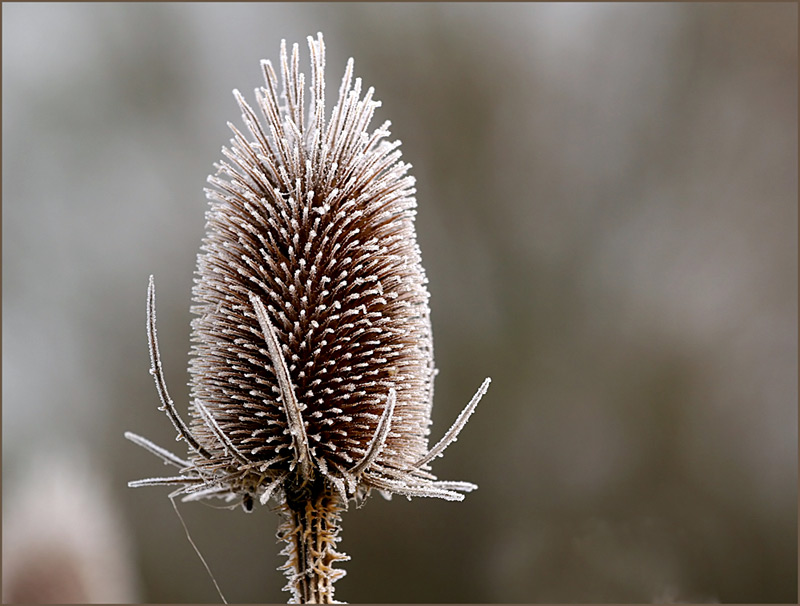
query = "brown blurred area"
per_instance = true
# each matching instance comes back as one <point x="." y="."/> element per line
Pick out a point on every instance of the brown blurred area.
<point x="608" y="219"/>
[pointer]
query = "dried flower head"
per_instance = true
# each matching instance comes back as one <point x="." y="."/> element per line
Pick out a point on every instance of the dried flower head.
<point x="312" y="358"/>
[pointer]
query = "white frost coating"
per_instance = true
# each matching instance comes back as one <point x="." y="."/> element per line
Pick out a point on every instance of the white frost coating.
<point x="164" y="454"/>
<point x="293" y="415"/>
<point x="452" y="433"/>
<point x="310" y="228"/>
<point x="381" y="432"/>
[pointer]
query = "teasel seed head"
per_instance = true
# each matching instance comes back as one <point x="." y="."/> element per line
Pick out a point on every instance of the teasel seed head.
<point x="312" y="355"/>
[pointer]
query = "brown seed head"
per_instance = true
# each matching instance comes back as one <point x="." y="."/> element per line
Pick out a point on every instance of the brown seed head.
<point x="312" y="356"/>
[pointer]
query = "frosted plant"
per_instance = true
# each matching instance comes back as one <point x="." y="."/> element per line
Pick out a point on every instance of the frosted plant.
<point x="312" y="358"/>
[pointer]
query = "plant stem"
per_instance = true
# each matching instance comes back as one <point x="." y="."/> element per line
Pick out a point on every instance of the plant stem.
<point x="310" y="529"/>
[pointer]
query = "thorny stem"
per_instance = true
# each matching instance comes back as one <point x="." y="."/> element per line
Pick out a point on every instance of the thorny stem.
<point x="310" y="528"/>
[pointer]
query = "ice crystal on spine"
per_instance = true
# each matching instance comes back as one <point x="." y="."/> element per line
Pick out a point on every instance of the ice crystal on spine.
<point x="312" y="357"/>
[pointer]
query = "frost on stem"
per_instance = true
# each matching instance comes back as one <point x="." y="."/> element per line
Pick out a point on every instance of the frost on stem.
<point x="312" y="354"/>
<point x="310" y="528"/>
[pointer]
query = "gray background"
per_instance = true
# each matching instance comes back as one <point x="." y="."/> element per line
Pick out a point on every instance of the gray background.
<point x="608" y="218"/>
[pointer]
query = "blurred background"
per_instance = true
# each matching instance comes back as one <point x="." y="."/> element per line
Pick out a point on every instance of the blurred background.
<point x="608" y="218"/>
